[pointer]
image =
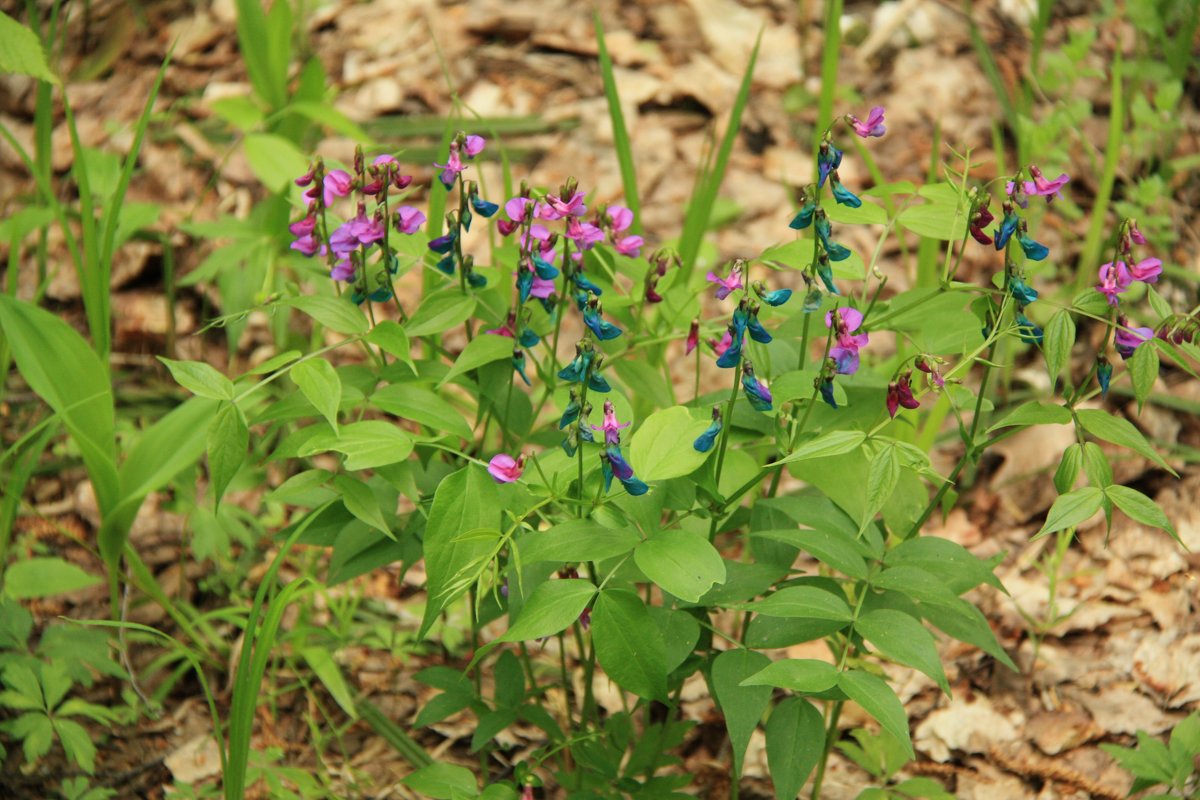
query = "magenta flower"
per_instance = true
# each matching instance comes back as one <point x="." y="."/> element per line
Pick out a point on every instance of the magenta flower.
<point x="385" y="160"/>
<point x="845" y="321"/>
<point x="1128" y="339"/>
<point x="337" y="184"/>
<point x="305" y="226"/>
<point x="541" y="288"/>
<point x="873" y="126"/>
<point x="473" y="145"/>
<point x="726" y="286"/>
<point x="517" y="207"/>
<point x="620" y="218"/>
<point x="693" y="337"/>
<point x="356" y="232"/>
<point x="1147" y="270"/>
<point x="308" y="245"/>
<point x="629" y="246"/>
<point x="1114" y="280"/>
<point x="584" y="234"/>
<point x="612" y="428"/>
<point x="408" y="219"/>
<point x="506" y="469"/>
<point x="1042" y="187"/>
<point x="724" y="344"/>
<point x="900" y="393"/>
<point x="1135" y="235"/>
<point x="343" y="271"/>
<point x="556" y="207"/>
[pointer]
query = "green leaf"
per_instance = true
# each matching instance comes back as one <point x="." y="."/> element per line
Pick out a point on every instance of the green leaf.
<point x="74" y="383"/>
<point x="1057" y="344"/>
<point x="466" y="500"/>
<point x="1068" y="468"/>
<point x="956" y="566"/>
<point x="878" y="700"/>
<point x="662" y="447"/>
<point x="422" y="406"/>
<point x="577" y="540"/>
<point x="830" y="547"/>
<point x="629" y="645"/>
<point x="394" y="341"/>
<point x="966" y="623"/>
<point x="368" y="444"/>
<point x="443" y="782"/>
<point x="834" y="443"/>
<point x="200" y="379"/>
<point x="481" y="350"/>
<point x="274" y="160"/>
<point x="24" y="681"/>
<point x="903" y="639"/>
<point x="319" y="382"/>
<point x="362" y="503"/>
<point x="77" y="743"/>
<point x="439" y="313"/>
<point x="804" y="675"/>
<point x="21" y="51"/>
<point x="684" y="564"/>
<point x="1096" y="466"/>
<point x="743" y="705"/>
<point x="37" y="732"/>
<point x="807" y="602"/>
<point x="1143" y="371"/>
<point x="940" y="217"/>
<point x="881" y="482"/>
<point x="795" y="743"/>
<point x="228" y="440"/>
<point x="1071" y="509"/>
<point x="1035" y="413"/>
<point x="1139" y="507"/>
<point x="550" y="608"/>
<point x="335" y="313"/>
<point x="320" y="661"/>
<point x="621" y="143"/>
<point x="305" y="488"/>
<point x="45" y="577"/>
<point x="1119" y="431"/>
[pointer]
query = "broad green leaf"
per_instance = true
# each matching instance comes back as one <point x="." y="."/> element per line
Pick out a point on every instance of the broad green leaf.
<point x="684" y="564"/>
<point x="200" y="379"/>
<point x="808" y="602"/>
<point x="743" y="705"/>
<point x="1068" y="468"/>
<point x="1139" y="507"/>
<point x="867" y="214"/>
<point x="662" y="447"/>
<point x="842" y="552"/>
<point x="335" y="313"/>
<point x="362" y="503"/>
<point x="319" y="382"/>
<point x="1143" y="371"/>
<point x="1057" y="343"/>
<point x="903" y="639"/>
<point x="422" y="406"/>
<point x="45" y="577"/>
<point x="37" y="733"/>
<point x="481" y="350"/>
<point x="274" y="160"/>
<point x="372" y="443"/>
<point x="1096" y="466"/>
<point x="629" y="645"/>
<point x="881" y="482"/>
<point x="1035" y="413"/>
<point x="803" y="675"/>
<point x="1070" y="509"/>
<point x="465" y="500"/>
<point x="305" y="488"/>
<point x="21" y="52"/>
<point x="73" y="382"/>
<point x="320" y="661"/>
<point x="577" y="540"/>
<point x="936" y="220"/>
<point x="878" y="700"/>
<point x="795" y="742"/>
<point x="834" y="443"/>
<point x="392" y="338"/>
<point x="550" y="608"/>
<point x="439" y="313"/>
<point x="442" y="781"/>
<point x="228" y="440"/>
<point x="959" y="568"/>
<point x="680" y="632"/>
<point x="965" y="622"/>
<point x="1119" y="431"/>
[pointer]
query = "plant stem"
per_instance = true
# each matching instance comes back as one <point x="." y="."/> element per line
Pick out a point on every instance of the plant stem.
<point x="728" y="423"/>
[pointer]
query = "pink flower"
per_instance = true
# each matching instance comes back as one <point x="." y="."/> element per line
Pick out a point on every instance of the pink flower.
<point x="620" y="217"/>
<point x="630" y="246"/>
<point x="873" y="126"/>
<point x="693" y="337"/>
<point x="1147" y="270"/>
<point x="337" y="184"/>
<point x="723" y="345"/>
<point x="844" y="322"/>
<point x="612" y="428"/>
<point x="408" y="219"/>
<point x="384" y="160"/>
<point x="303" y="227"/>
<point x="1127" y="340"/>
<point x="307" y="245"/>
<point x="541" y="288"/>
<point x="726" y="286"/>
<point x="517" y="207"/>
<point x="506" y="469"/>
<point x="1042" y="187"/>
<point x="1135" y="235"/>
<point x="473" y="145"/>
<point x="451" y="168"/>
<point x="557" y="207"/>
<point x="342" y="271"/>
<point x="584" y="234"/>
<point x="1114" y="280"/>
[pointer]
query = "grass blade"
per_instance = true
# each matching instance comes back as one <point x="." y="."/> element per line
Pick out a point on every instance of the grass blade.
<point x="620" y="133"/>
<point x="393" y="734"/>
<point x="700" y="206"/>
<point x="1089" y="257"/>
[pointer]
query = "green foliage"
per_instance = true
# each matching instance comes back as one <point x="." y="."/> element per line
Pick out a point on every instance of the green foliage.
<point x="1154" y="764"/>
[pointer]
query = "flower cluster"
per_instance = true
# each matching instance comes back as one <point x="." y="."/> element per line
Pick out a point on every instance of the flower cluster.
<point x="612" y="463"/>
<point x="470" y="203"/>
<point x="729" y="348"/>
<point x="845" y="343"/>
<point x="1118" y="275"/>
<point x="348" y="249"/>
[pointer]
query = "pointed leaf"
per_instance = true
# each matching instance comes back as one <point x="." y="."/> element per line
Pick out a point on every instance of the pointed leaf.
<point x="878" y="700"/>
<point x="795" y="742"/>
<point x="743" y="705"/>
<point x="319" y="382"/>
<point x="903" y="639"/>
<point x="228" y="440"/>
<point x="629" y="645"/>
<point x="684" y="564"/>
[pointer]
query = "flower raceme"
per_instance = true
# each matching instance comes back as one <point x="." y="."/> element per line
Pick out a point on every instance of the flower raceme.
<point x="844" y="352"/>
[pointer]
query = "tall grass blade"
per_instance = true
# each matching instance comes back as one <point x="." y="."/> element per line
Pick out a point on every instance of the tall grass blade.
<point x="620" y="132"/>
<point x="699" y="212"/>
<point x="1089" y="257"/>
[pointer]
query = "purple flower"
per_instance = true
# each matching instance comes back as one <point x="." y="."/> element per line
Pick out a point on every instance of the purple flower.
<point x="1042" y="187"/>
<point x="900" y="393"/>
<point x="1114" y="280"/>
<point x="612" y="429"/>
<point x="629" y="246"/>
<point x="620" y="218"/>
<point x="829" y="158"/>
<point x="1135" y="235"/>
<point x="385" y="160"/>
<point x="517" y="207"/>
<point x="844" y="322"/>
<point x="693" y="337"/>
<point x="451" y="168"/>
<point x="873" y="126"/>
<point x="342" y="271"/>
<point x="756" y="392"/>
<point x="726" y="286"/>
<point x="305" y="226"/>
<point x="541" y="288"/>
<point x="337" y="184"/>
<point x="308" y="245"/>
<point x="506" y="469"/>
<point x="557" y="207"/>
<point x="408" y="219"/>
<point x="1147" y="270"/>
<point x="615" y="464"/>
<point x="473" y="145"/>
<point x="983" y="217"/>
<point x="1127" y="339"/>
<point x="584" y="234"/>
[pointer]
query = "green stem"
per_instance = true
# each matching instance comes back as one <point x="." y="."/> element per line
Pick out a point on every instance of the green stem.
<point x="728" y="423"/>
